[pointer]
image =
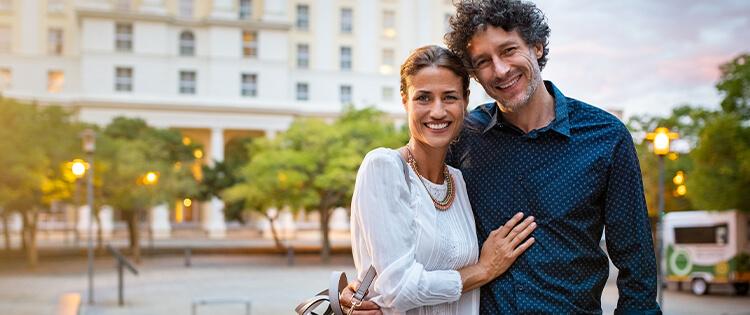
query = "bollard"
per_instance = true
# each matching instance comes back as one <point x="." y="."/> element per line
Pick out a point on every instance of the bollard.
<point x="188" y="253"/>
<point x="290" y="255"/>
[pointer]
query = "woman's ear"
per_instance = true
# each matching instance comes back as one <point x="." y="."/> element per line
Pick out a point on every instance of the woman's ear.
<point x="404" y="100"/>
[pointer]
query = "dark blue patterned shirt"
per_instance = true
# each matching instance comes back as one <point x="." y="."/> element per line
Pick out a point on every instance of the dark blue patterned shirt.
<point x="576" y="176"/>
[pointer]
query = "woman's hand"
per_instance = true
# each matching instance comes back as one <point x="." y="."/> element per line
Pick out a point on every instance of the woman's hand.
<point x="499" y="252"/>
<point x="503" y="246"/>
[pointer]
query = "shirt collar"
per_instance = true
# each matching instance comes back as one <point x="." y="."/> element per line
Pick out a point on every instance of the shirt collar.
<point x="560" y="124"/>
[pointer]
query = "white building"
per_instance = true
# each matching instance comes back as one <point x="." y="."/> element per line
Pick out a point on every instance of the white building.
<point x="215" y="69"/>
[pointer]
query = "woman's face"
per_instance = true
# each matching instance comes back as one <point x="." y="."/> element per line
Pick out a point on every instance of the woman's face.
<point x="435" y="105"/>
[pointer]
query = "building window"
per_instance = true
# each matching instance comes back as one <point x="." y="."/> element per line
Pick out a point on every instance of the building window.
<point x="346" y="20"/>
<point x="302" y="92"/>
<point x="5" y="79"/>
<point x="123" y="5"/>
<point x="346" y="58"/>
<point x="389" y="23"/>
<point x="249" y="84"/>
<point x="4" y="39"/>
<point x="187" y="43"/>
<point x="187" y="82"/>
<point x="124" y="37"/>
<point x="303" y="56"/>
<point x="53" y="5"/>
<point x="123" y="79"/>
<point x="249" y="44"/>
<point x="303" y="17"/>
<point x="55" y="41"/>
<point x="389" y="60"/>
<point x="345" y="94"/>
<point x="387" y="94"/>
<point x="246" y="9"/>
<point x="55" y="81"/>
<point x="186" y="8"/>
<point x="6" y="5"/>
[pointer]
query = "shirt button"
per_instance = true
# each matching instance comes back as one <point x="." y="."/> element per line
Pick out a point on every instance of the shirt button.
<point x="519" y="287"/>
<point x="520" y="178"/>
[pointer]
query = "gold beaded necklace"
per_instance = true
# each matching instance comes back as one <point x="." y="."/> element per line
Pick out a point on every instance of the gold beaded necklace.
<point x="446" y="203"/>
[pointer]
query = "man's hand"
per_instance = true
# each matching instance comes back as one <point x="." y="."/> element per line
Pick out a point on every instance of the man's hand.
<point x="366" y="308"/>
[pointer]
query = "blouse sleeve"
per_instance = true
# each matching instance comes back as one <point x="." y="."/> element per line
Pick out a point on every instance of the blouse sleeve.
<point x="382" y="208"/>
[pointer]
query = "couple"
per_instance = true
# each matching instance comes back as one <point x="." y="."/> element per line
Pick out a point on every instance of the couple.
<point x="511" y="197"/>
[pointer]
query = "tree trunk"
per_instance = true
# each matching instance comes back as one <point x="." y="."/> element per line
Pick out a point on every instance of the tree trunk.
<point x="325" y="246"/>
<point x="282" y="249"/>
<point x="133" y="234"/>
<point x="6" y="232"/>
<point x="29" y="232"/>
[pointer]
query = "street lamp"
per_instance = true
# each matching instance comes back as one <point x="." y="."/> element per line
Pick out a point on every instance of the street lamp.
<point x="78" y="169"/>
<point x="89" y="143"/>
<point x="661" y="137"/>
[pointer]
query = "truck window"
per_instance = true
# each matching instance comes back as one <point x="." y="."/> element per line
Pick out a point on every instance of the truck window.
<point x="702" y="234"/>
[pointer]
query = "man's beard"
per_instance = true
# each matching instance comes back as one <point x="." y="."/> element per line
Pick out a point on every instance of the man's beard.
<point x="515" y="105"/>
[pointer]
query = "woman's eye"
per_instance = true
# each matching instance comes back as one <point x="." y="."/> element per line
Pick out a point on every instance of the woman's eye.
<point x="423" y="98"/>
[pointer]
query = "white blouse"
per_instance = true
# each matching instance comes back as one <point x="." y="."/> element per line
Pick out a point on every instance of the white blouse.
<point x="415" y="248"/>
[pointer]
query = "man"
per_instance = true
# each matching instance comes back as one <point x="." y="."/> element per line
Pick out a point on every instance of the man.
<point x="569" y="164"/>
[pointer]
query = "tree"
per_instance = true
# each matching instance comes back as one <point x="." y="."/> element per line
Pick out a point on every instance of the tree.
<point x="734" y="85"/>
<point x="127" y="150"/>
<point x="36" y="142"/>
<point x="313" y="164"/>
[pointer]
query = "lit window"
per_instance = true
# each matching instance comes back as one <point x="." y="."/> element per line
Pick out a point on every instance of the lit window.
<point x="303" y="17"/>
<point x="53" y="5"/>
<point x="55" y="41"/>
<point x="345" y="94"/>
<point x="303" y="56"/>
<point x="302" y="92"/>
<point x="249" y="84"/>
<point x="187" y="82"/>
<point x="55" y="81"/>
<point x="246" y="9"/>
<point x="249" y="44"/>
<point x="387" y="94"/>
<point x="123" y="79"/>
<point x="5" y="77"/>
<point x="346" y="20"/>
<point x="124" y="37"/>
<point x="389" y="61"/>
<point x="4" y="39"/>
<point x="389" y="23"/>
<point x="187" y="43"/>
<point x="186" y="8"/>
<point x="346" y="58"/>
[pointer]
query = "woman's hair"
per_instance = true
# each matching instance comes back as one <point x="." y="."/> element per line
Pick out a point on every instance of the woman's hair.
<point x="433" y="56"/>
<point x="475" y="15"/>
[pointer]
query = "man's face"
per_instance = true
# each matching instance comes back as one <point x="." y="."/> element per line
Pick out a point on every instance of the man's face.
<point x="505" y="66"/>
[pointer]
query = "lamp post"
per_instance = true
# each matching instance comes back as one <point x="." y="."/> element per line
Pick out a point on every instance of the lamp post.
<point x="661" y="138"/>
<point x="89" y="144"/>
<point x="78" y="168"/>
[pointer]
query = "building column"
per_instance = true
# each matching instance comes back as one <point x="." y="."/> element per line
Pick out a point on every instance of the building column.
<point x="213" y="211"/>
<point x="159" y="222"/>
<point x="223" y="9"/>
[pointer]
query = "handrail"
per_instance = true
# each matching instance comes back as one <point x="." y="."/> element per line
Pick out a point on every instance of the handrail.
<point x="121" y="262"/>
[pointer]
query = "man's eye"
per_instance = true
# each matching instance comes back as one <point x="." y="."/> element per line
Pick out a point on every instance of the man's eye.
<point x="480" y="63"/>
<point x="450" y="98"/>
<point x="510" y="50"/>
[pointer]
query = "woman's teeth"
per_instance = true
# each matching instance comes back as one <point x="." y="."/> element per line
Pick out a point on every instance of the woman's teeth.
<point x="437" y="126"/>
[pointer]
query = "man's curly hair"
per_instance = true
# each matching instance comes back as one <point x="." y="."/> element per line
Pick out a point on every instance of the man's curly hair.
<point x="475" y="15"/>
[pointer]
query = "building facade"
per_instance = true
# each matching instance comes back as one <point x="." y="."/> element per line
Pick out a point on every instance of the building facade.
<point x="215" y="69"/>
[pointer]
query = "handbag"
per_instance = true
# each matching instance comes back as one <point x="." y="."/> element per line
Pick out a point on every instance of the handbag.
<point x="338" y="282"/>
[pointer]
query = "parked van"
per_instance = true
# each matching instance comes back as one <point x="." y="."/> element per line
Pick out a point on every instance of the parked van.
<point x="707" y="247"/>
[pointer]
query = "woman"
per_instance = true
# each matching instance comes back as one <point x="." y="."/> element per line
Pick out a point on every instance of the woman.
<point x="420" y="235"/>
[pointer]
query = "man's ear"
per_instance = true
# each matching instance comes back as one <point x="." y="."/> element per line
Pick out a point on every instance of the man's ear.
<point x="538" y="50"/>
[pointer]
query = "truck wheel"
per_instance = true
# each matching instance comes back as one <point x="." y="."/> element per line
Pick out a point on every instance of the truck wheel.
<point x="699" y="286"/>
<point x="741" y="288"/>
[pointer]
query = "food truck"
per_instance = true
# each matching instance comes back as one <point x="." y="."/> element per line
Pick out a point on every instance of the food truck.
<point x="705" y="248"/>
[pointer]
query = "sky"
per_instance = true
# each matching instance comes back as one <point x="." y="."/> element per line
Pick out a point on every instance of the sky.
<point x="643" y="56"/>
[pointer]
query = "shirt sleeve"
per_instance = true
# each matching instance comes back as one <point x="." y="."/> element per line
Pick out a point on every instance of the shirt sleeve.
<point x="628" y="232"/>
<point x="381" y="205"/>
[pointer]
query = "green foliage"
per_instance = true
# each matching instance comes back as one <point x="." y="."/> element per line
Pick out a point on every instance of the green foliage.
<point x="734" y="85"/>
<point x="313" y="164"/>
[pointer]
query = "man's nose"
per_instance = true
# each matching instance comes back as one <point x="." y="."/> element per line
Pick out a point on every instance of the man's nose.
<point x="500" y="66"/>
